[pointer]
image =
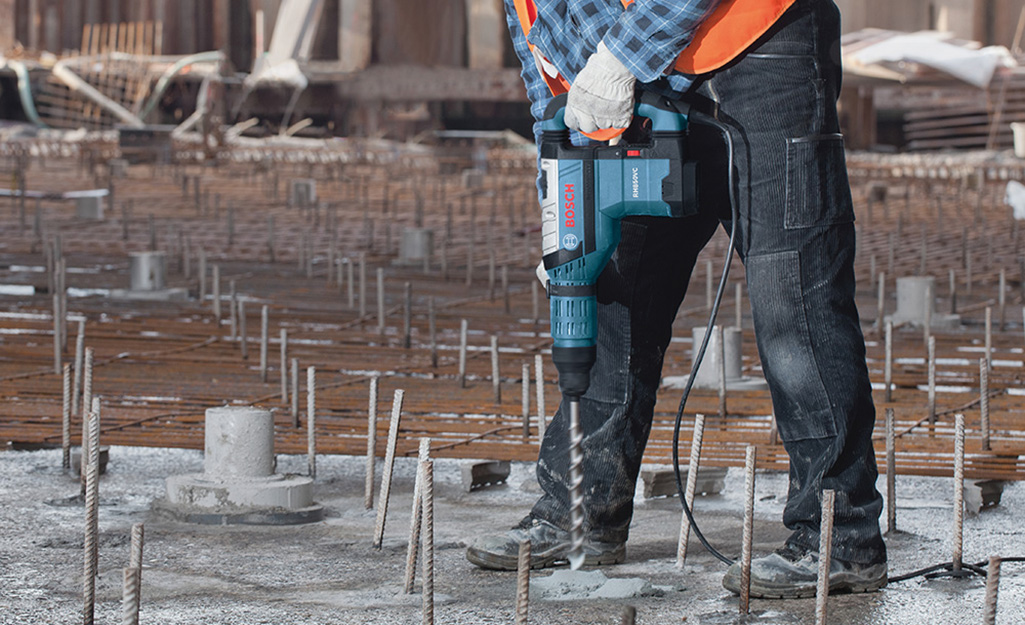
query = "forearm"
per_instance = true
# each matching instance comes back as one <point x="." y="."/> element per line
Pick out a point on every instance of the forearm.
<point x="650" y="34"/>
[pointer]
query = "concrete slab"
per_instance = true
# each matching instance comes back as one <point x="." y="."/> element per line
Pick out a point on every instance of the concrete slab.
<point x="326" y="572"/>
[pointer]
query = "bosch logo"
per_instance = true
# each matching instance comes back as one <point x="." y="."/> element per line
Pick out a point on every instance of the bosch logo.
<point x="567" y="207"/>
<point x="570" y="241"/>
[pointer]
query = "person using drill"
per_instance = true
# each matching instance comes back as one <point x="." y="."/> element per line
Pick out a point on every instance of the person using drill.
<point x="774" y="83"/>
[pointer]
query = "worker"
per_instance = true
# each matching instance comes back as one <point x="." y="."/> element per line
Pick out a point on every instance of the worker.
<point x="777" y="94"/>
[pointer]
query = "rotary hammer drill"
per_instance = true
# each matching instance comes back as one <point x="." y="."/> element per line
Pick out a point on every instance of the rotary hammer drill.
<point x="586" y="192"/>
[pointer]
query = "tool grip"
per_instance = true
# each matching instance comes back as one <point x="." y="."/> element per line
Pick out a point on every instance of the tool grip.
<point x="666" y="116"/>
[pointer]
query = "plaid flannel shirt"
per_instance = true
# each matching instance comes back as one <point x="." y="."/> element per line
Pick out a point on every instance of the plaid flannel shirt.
<point x="646" y="37"/>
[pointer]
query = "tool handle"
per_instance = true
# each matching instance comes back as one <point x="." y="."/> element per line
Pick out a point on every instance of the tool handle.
<point x="666" y="116"/>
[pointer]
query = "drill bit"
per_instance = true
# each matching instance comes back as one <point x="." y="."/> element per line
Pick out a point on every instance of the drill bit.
<point x="576" y="480"/>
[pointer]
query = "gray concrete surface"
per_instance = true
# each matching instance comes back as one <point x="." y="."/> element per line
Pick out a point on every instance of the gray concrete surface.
<point x="327" y="573"/>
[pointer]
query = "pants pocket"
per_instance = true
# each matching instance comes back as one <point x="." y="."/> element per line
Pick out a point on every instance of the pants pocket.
<point x="817" y="190"/>
<point x="784" y="341"/>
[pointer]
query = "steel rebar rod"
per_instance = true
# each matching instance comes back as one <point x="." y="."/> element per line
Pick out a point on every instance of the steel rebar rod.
<point x="368" y="491"/>
<point x="692" y="482"/>
<point x="748" y="531"/>
<point x="416" y="517"/>
<point x="958" y="534"/>
<point x="427" y="536"/>
<point x="311" y="421"/>
<point x="389" y="465"/>
<point x="825" y="555"/>
<point x="523" y="582"/>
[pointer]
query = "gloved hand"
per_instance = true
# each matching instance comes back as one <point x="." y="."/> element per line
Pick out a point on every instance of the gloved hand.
<point x="602" y="96"/>
<point x="542" y="274"/>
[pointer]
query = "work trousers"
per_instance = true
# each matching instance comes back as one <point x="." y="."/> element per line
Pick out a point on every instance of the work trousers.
<point x="796" y="240"/>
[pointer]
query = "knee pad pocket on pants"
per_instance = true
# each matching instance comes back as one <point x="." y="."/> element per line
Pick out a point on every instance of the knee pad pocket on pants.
<point x="784" y="340"/>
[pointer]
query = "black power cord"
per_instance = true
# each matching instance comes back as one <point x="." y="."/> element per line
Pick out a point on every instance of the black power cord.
<point x="700" y="354"/>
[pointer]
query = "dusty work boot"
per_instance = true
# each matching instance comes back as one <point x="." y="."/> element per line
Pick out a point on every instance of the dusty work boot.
<point x="791" y="573"/>
<point x="549" y="546"/>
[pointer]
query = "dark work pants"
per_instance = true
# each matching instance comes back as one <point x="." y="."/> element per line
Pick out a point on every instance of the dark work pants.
<point x="796" y="239"/>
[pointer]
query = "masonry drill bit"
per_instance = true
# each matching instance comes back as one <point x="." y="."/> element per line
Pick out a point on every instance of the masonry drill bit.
<point x="576" y="494"/>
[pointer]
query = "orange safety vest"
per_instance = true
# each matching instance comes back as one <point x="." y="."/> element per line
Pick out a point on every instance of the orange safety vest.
<point x="729" y="30"/>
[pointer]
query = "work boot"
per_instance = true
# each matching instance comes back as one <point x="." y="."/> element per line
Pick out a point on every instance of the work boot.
<point x="549" y="546"/>
<point x="792" y="573"/>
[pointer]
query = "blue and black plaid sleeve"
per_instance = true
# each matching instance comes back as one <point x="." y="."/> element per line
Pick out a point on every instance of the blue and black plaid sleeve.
<point x="650" y="34"/>
<point x="647" y="37"/>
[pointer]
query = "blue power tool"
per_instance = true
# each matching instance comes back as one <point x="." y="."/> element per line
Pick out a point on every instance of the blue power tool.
<point x="586" y="192"/>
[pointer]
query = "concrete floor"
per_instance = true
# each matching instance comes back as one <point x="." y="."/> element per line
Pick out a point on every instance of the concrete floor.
<point x="327" y="572"/>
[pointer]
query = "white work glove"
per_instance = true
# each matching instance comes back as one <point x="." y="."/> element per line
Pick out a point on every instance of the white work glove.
<point x="542" y="274"/>
<point x="602" y="96"/>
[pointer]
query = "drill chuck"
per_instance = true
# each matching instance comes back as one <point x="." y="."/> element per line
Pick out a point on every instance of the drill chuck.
<point x="574" y="365"/>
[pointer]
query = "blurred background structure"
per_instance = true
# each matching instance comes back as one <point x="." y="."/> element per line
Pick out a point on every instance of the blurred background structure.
<point x="391" y="68"/>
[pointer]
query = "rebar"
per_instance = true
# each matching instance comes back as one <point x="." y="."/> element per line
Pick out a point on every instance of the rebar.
<point x="380" y="301"/>
<point x="427" y="536"/>
<point x="927" y="317"/>
<point x="264" y="339"/>
<point x="989" y="614"/>
<point x="462" y="352"/>
<point x="523" y="582"/>
<point x="984" y="404"/>
<point x="932" y="379"/>
<point x="507" y="305"/>
<point x="87" y="401"/>
<point x="76" y="386"/>
<point x="432" y="331"/>
<point x="747" y="537"/>
<point x="243" y="332"/>
<point x="891" y="474"/>
<point x="389" y="465"/>
<point x="989" y="337"/>
<point x="738" y="316"/>
<point x="311" y="421"/>
<point x="720" y="335"/>
<point x="368" y="491"/>
<point x="576" y="486"/>
<point x="525" y="399"/>
<point x="350" y="288"/>
<point x="130" y="597"/>
<point x="881" y="300"/>
<point x="362" y="285"/>
<point x="539" y="384"/>
<point x="496" y="381"/>
<point x="232" y="312"/>
<point x="284" y="366"/>
<point x="491" y="270"/>
<point x="825" y="555"/>
<point x="629" y="615"/>
<point x="217" y="294"/>
<point x="958" y="536"/>
<point x="294" y="394"/>
<point x="416" y="517"/>
<point x="56" y="334"/>
<point x="407" y="316"/>
<point x="888" y="366"/>
<point x="66" y="420"/>
<point x="135" y="565"/>
<point x="91" y="553"/>
<point x="952" y="279"/>
<point x="692" y="483"/>
<point x="1002" y="297"/>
